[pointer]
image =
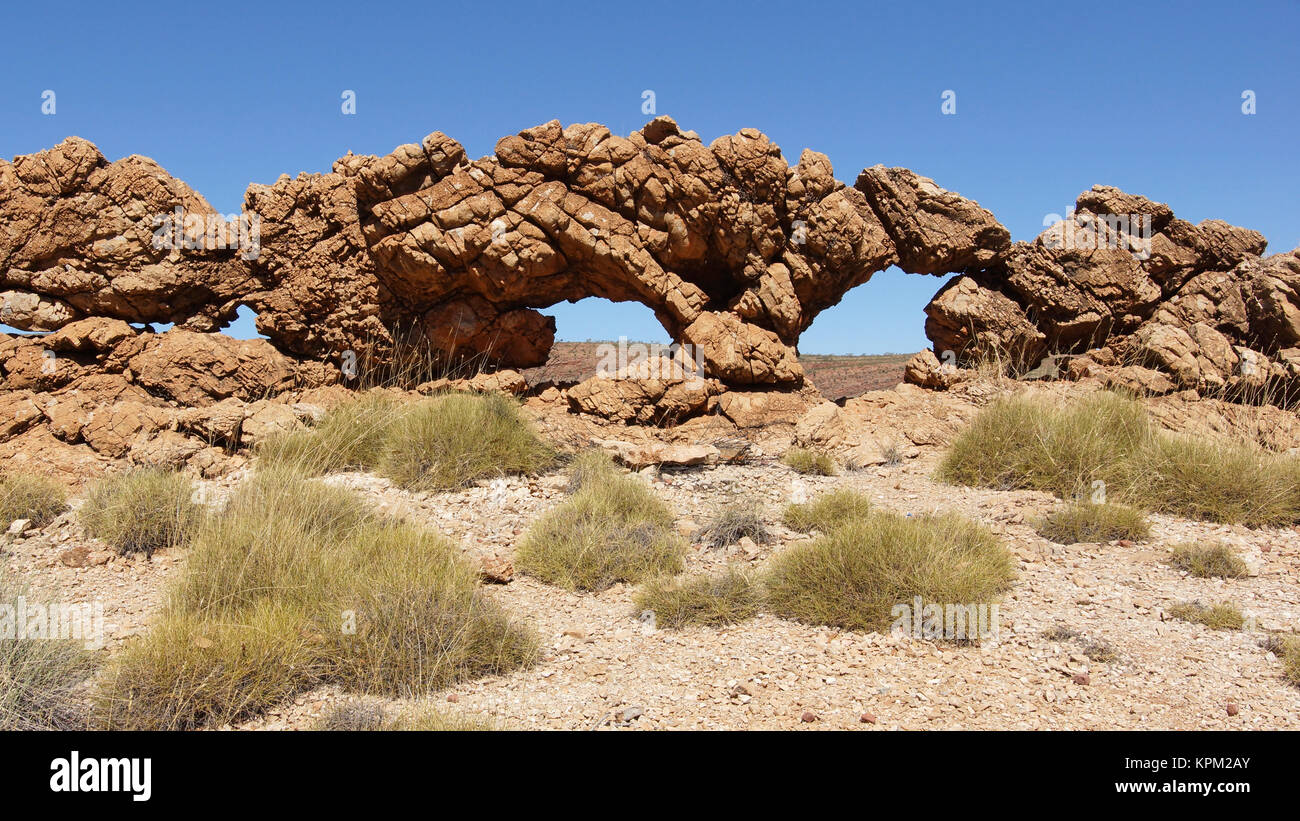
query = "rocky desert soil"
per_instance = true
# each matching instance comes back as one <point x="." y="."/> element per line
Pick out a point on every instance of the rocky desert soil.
<point x="604" y="669"/>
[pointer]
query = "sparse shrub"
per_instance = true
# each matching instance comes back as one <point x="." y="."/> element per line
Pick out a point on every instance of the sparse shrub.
<point x="1287" y="648"/>
<point x="40" y="678"/>
<point x="725" y="598"/>
<point x="293" y="586"/>
<point x="141" y="510"/>
<point x="1096" y="649"/>
<point x="1059" y="632"/>
<point x="809" y="461"/>
<point x="27" y="496"/>
<point x="1087" y="522"/>
<point x="827" y="511"/>
<point x="1208" y="560"/>
<point x="1031" y="443"/>
<point x="614" y="530"/>
<point x="456" y="439"/>
<point x="1099" y="650"/>
<point x="855" y="574"/>
<point x="1223" y="616"/>
<point x="731" y="523"/>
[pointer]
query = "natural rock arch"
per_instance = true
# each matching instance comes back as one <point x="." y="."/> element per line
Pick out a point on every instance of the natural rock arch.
<point x="733" y="249"/>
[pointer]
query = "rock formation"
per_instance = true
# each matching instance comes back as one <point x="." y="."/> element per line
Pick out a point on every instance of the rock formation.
<point x="1141" y="297"/>
<point x="734" y="250"/>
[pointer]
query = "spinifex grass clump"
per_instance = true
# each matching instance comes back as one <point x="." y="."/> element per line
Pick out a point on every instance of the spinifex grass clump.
<point x="456" y="439"/>
<point x="827" y="511"/>
<point x="1287" y="648"/>
<point x="1087" y="522"/>
<point x="725" y="598"/>
<point x="612" y="529"/>
<point x="441" y="443"/>
<point x="40" y="678"/>
<point x="1222" y="616"/>
<point x="26" y="496"/>
<point x="1206" y="560"/>
<point x="142" y="510"/>
<point x="1033" y="443"/>
<point x="809" y="461"/>
<point x="296" y="585"/>
<point x="362" y="717"/>
<point x="733" y="522"/>
<point x="587" y="467"/>
<point x="351" y="436"/>
<point x="853" y="576"/>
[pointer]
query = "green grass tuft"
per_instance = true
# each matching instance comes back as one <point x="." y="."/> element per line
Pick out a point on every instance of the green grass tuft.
<point x="26" y="496"/>
<point x="351" y="436"/>
<point x="442" y="443"/>
<point x="1028" y="443"/>
<point x="1215" y="559"/>
<point x="457" y="439"/>
<point x="1223" y="616"/>
<point x="712" y="601"/>
<point x="294" y="586"/>
<point x="827" y="512"/>
<point x="854" y="575"/>
<point x="1087" y="522"/>
<point x="611" y="531"/>
<point x="591" y="466"/>
<point x="142" y="510"/>
<point x="809" y="461"/>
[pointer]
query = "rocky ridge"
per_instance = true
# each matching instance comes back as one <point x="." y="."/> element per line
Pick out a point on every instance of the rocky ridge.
<point x="735" y="250"/>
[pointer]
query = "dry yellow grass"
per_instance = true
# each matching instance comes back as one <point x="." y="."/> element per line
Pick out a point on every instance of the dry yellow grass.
<point x="803" y="460"/>
<point x="612" y="529"/>
<point x="827" y="511"/>
<point x="27" y="496"/>
<point x="141" y="510"/>
<point x="1087" y="522"/>
<point x="854" y="575"/>
<point x="295" y="585"/>
<point x="1205" y="560"/>
<point x="1107" y="441"/>
<point x="40" y="678"/>
<point x="712" y="601"/>
<point x="441" y="443"/>
<point x="1222" y="616"/>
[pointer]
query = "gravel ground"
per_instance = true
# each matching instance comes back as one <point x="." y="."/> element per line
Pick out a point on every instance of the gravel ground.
<point x="603" y="669"/>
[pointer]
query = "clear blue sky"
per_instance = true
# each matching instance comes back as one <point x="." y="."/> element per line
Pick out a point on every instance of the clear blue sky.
<point x="1051" y="98"/>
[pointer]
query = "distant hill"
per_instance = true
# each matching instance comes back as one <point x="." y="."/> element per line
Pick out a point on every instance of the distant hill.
<point x="835" y="376"/>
